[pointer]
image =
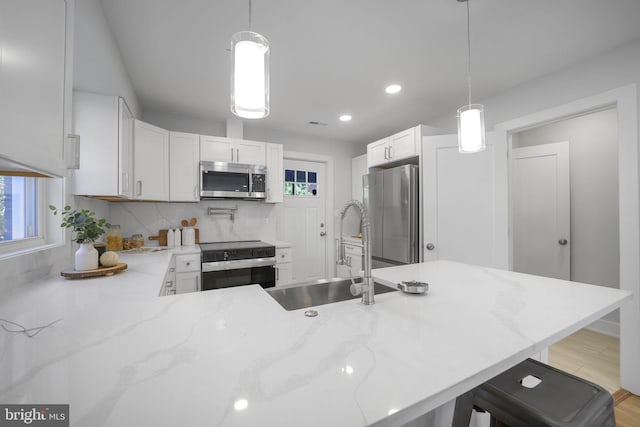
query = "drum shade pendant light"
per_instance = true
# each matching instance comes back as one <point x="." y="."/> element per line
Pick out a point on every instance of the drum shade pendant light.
<point x="471" y="116"/>
<point x="249" y="74"/>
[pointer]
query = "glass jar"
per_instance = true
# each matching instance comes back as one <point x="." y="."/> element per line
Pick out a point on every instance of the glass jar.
<point x="137" y="241"/>
<point x="114" y="238"/>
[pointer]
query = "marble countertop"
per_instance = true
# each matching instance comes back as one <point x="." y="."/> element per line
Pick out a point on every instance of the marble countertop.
<point x="121" y="356"/>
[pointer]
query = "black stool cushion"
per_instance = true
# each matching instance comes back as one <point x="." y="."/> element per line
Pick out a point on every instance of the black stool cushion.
<point x="559" y="400"/>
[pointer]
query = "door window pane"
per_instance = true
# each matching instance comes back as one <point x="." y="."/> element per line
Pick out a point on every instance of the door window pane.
<point x="300" y="183"/>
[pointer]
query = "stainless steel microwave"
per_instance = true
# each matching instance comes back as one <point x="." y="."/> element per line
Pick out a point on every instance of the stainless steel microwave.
<point x="220" y="180"/>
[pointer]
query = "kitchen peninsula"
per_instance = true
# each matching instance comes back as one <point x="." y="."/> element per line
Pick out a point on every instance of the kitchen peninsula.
<point x="122" y="356"/>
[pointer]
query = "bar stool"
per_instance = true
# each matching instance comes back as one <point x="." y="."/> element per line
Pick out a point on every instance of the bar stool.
<point x="555" y="399"/>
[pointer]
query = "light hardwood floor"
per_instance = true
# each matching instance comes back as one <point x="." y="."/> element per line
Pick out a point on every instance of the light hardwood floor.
<point x="596" y="358"/>
<point x="589" y="355"/>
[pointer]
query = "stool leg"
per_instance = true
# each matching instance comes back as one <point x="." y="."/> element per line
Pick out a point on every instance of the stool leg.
<point x="462" y="411"/>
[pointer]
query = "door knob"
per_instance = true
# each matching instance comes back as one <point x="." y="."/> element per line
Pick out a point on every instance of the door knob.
<point x="322" y="234"/>
<point x="562" y="242"/>
<point x="430" y="246"/>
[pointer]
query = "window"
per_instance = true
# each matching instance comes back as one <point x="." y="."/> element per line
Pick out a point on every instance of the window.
<point x="300" y="183"/>
<point x="19" y="207"/>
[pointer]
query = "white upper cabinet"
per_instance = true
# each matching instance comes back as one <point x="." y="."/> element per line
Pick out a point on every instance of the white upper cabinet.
<point x="377" y="152"/>
<point x="105" y="126"/>
<point x="222" y="149"/>
<point x="34" y="64"/>
<point x="398" y="147"/>
<point x="275" y="174"/>
<point x="184" y="171"/>
<point x="151" y="162"/>
<point x="404" y="144"/>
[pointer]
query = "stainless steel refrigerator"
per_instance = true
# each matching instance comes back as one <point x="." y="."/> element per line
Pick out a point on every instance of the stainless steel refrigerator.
<point x="391" y="198"/>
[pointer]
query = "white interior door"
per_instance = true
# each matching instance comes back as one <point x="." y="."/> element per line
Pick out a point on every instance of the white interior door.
<point x="303" y="221"/>
<point x="540" y="199"/>
<point x="465" y="208"/>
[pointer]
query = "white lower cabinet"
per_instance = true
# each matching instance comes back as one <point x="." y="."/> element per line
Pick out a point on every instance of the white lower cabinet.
<point x="187" y="282"/>
<point x="283" y="266"/>
<point x="353" y="254"/>
<point x="183" y="275"/>
<point x="187" y="273"/>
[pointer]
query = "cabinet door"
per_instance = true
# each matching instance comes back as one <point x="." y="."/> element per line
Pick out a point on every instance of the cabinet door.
<point x="151" y="162"/>
<point x="358" y="169"/>
<point x="403" y="145"/>
<point x="32" y="82"/>
<point x="378" y="152"/>
<point x="216" y="149"/>
<point x="283" y="274"/>
<point x="184" y="162"/>
<point x="275" y="174"/>
<point x="187" y="282"/>
<point x="250" y="152"/>
<point x="355" y="263"/>
<point x="125" y="149"/>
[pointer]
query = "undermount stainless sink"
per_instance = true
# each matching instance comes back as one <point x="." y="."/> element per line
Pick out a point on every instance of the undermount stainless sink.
<point x="319" y="292"/>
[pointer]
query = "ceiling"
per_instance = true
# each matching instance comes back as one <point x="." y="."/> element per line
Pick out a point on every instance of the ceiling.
<point x="333" y="57"/>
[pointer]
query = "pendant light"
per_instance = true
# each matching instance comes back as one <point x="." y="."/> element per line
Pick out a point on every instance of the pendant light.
<point x="249" y="74"/>
<point x="471" y="116"/>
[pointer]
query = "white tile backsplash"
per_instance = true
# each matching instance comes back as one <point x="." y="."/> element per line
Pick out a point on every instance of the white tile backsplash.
<point x="253" y="220"/>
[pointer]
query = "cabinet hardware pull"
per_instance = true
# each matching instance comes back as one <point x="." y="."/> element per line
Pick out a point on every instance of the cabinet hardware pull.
<point x="139" y="188"/>
<point x="390" y="155"/>
<point x="385" y="153"/>
<point x="232" y="155"/>
<point x="277" y="274"/>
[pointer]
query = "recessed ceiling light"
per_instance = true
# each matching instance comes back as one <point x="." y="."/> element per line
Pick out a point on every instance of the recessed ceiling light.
<point x="345" y="118"/>
<point x="393" y="89"/>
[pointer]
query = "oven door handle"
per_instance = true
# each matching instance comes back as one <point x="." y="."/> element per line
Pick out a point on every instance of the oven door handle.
<point x="238" y="264"/>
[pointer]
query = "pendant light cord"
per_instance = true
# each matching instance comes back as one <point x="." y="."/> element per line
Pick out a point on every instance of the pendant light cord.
<point x="249" y="14"/>
<point x="469" y="50"/>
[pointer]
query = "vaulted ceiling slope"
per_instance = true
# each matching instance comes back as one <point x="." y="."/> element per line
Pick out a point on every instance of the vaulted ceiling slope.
<point x="332" y="57"/>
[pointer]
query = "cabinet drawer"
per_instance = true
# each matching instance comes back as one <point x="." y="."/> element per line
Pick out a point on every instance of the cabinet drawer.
<point x="283" y="255"/>
<point x="186" y="263"/>
<point x="352" y="249"/>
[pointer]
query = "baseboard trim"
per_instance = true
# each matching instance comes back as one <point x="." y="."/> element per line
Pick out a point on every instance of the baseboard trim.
<point x="606" y="327"/>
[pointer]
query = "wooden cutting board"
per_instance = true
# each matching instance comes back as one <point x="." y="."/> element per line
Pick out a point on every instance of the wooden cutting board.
<point x="100" y="271"/>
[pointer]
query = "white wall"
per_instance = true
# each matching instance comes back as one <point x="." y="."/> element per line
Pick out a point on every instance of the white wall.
<point x="252" y="221"/>
<point x="98" y="65"/>
<point x="612" y="70"/>
<point x="593" y="159"/>
<point x="616" y="68"/>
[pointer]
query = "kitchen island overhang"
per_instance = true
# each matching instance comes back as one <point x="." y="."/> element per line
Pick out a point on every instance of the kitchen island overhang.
<point x="235" y="357"/>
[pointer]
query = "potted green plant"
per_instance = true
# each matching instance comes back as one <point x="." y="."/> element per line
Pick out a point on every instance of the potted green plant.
<point x="86" y="229"/>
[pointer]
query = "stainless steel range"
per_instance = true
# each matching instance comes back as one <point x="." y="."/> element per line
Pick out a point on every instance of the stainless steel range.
<point x="229" y="264"/>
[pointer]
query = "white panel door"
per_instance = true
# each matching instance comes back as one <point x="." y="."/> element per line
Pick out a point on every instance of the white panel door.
<point x="184" y="167"/>
<point x="151" y="162"/>
<point x="465" y="201"/>
<point x="540" y="202"/>
<point x="302" y="223"/>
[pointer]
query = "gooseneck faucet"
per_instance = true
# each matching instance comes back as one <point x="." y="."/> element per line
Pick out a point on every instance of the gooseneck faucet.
<point x="367" y="280"/>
